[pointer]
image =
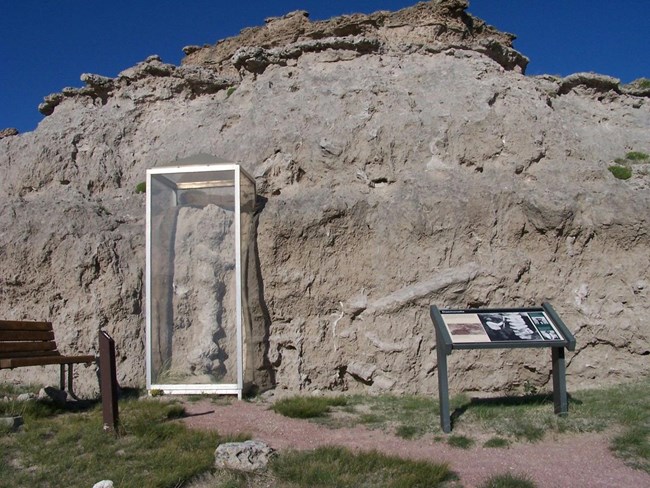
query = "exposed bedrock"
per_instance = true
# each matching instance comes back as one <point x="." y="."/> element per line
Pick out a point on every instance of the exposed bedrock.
<point x="404" y="160"/>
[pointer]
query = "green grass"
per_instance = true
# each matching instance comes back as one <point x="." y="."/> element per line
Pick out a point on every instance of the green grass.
<point x="70" y="448"/>
<point x="152" y="450"/>
<point x="509" y="419"/>
<point x="336" y="466"/>
<point x="508" y="481"/>
<point x="407" y="416"/>
<point x="633" y="445"/>
<point x="300" y="407"/>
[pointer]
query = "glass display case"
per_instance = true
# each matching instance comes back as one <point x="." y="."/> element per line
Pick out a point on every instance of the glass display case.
<point x="199" y="223"/>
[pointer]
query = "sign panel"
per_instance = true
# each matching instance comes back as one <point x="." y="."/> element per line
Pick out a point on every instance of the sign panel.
<point x="490" y="326"/>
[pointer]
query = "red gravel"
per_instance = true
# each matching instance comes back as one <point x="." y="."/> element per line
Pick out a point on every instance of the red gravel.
<point x="582" y="460"/>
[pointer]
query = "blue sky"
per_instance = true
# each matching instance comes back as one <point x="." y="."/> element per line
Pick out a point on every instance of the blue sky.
<point x="45" y="45"/>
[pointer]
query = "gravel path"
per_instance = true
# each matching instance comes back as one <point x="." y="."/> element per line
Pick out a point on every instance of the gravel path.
<point x="569" y="461"/>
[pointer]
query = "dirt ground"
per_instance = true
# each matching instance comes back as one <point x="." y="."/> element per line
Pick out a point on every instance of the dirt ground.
<point x="582" y="460"/>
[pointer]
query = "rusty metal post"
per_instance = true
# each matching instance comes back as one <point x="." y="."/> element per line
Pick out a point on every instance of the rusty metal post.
<point x="108" y="381"/>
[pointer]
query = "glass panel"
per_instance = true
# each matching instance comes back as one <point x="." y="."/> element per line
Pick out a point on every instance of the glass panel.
<point x="193" y="322"/>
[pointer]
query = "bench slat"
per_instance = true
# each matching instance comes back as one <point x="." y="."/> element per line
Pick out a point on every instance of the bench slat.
<point x="19" y="346"/>
<point x="26" y="335"/>
<point x="42" y="361"/>
<point x="28" y="354"/>
<point x="31" y="343"/>
<point x="24" y="325"/>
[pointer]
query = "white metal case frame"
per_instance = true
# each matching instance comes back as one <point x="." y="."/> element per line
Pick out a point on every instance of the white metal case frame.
<point x="216" y="388"/>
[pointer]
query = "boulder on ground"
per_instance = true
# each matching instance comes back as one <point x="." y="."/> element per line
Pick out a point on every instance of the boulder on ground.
<point x="248" y="456"/>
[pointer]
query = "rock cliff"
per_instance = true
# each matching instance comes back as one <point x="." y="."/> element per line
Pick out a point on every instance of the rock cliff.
<point x="405" y="160"/>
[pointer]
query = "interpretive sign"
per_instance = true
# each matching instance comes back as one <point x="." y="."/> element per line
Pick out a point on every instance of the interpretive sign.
<point x="501" y="328"/>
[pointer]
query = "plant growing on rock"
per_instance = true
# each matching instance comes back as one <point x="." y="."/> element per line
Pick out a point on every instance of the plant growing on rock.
<point x="637" y="156"/>
<point x="622" y="167"/>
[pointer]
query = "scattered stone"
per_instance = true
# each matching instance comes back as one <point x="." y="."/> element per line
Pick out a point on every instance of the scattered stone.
<point x="361" y="370"/>
<point x="12" y="423"/>
<point x="103" y="484"/>
<point x="25" y="397"/>
<point x="383" y="383"/>
<point x="248" y="456"/>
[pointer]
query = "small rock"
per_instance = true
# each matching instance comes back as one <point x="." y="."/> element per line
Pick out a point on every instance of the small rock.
<point x="359" y="302"/>
<point x="58" y="397"/>
<point x="383" y="383"/>
<point x="24" y="397"/>
<point x="103" y="484"/>
<point x="249" y="456"/>
<point x="191" y="49"/>
<point x="12" y="423"/>
<point x="360" y="370"/>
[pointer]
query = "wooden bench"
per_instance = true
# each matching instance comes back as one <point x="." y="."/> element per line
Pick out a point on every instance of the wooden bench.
<point x="24" y="343"/>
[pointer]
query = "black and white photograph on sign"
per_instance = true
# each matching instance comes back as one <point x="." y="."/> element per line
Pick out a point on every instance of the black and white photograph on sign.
<point x="465" y="328"/>
<point x="509" y="326"/>
<point x="544" y="326"/>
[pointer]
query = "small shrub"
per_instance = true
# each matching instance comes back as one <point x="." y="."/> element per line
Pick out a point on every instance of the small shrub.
<point x="141" y="187"/>
<point x="497" y="442"/>
<point x="530" y="389"/>
<point x="642" y="82"/>
<point x="370" y="418"/>
<point x="230" y="91"/>
<point x="156" y="393"/>
<point x="460" y="441"/>
<point x="525" y="429"/>
<point x="307" y="407"/>
<point x="407" y="431"/>
<point x="175" y="411"/>
<point x="620" y="172"/>
<point x="508" y="481"/>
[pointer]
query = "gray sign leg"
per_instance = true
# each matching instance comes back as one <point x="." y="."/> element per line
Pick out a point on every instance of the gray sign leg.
<point x="443" y="389"/>
<point x="560" y="400"/>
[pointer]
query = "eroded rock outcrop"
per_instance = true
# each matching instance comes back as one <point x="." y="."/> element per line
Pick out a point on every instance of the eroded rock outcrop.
<point x="404" y="160"/>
